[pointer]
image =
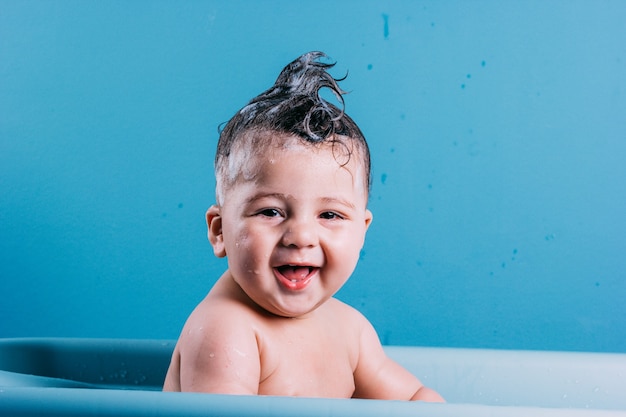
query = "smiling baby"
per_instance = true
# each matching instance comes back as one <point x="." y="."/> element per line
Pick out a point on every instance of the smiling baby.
<point x="293" y="179"/>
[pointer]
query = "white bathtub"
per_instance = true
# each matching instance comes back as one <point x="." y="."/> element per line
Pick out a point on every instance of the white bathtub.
<point x="119" y="377"/>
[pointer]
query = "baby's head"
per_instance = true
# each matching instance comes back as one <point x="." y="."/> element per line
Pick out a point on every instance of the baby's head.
<point x="292" y="108"/>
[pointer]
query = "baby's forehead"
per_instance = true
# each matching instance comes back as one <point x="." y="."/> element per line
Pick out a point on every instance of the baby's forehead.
<point x="252" y="150"/>
<point x="263" y="147"/>
<point x="344" y="154"/>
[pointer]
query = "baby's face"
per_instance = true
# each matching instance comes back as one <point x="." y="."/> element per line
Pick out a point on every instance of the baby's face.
<point x="293" y="231"/>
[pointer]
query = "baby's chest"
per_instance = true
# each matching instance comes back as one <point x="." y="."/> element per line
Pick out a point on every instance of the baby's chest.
<point x="309" y="366"/>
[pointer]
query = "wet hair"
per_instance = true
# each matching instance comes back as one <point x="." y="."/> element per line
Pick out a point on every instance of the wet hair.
<point x="293" y="107"/>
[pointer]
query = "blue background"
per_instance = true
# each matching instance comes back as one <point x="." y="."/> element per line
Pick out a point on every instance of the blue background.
<point x="498" y="134"/>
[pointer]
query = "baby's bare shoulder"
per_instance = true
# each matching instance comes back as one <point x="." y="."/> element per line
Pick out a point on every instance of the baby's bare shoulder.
<point x="219" y="329"/>
<point x="217" y="343"/>
<point x="218" y="319"/>
<point x="346" y="314"/>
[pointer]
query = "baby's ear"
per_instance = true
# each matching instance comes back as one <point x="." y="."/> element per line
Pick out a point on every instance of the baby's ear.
<point x="214" y="226"/>
<point x="368" y="218"/>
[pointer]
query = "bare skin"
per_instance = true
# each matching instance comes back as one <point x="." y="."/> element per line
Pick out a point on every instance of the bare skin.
<point x="327" y="354"/>
<point x="270" y="325"/>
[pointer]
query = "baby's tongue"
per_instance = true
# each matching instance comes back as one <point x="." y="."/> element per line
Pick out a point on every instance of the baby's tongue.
<point x="294" y="273"/>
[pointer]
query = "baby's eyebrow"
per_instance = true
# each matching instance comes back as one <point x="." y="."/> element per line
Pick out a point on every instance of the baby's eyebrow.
<point x="284" y="197"/>
<point x="342" y="201"/>
<point x="259" y="196"/>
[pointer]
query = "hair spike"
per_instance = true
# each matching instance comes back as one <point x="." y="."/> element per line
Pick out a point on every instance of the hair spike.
<point x="294" y="106"/>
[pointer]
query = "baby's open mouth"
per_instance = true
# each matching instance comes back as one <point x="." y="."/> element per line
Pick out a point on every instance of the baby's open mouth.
<point x="295" y="272"/>
<point x="295" y="277"/>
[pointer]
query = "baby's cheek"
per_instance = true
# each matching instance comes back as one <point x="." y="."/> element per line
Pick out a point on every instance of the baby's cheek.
<point x="253" y="248"/>
<point x="345" y="254"/>
<point x="241" y="240"/>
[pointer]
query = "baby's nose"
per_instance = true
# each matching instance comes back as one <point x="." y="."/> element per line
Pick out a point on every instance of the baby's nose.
<point x="300" y="234"/>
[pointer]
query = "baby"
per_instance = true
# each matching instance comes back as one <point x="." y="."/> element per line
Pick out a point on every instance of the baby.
<point x="293" y="178"/>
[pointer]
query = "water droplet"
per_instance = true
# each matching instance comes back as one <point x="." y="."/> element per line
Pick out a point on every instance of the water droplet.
<point x="386" y="25"/>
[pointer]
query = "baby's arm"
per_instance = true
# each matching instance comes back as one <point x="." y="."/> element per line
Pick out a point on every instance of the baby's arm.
<point x="379" y="377"/>
<point x="218" y="354"/>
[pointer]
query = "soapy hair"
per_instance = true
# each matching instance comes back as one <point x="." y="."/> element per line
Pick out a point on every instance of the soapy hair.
<point x="291" y="107"/>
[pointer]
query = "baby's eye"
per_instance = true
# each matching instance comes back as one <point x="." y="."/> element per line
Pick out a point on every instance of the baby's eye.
<point x="269" y="212"/>
<point x="330" y="215"/>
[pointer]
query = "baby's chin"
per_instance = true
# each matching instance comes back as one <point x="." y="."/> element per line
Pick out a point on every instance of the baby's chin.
<point x="294" y="310"/>
<point x="285" y="303"/>
<point x="290" y="313"/>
